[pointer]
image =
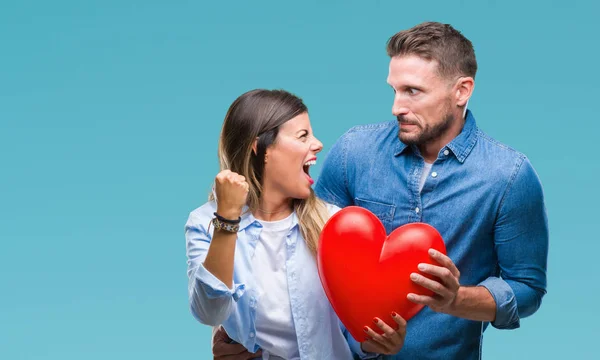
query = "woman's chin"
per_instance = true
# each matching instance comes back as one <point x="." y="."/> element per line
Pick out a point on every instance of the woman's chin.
<point x="302" y="195"/>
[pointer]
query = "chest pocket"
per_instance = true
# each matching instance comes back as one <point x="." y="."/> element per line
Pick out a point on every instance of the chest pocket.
<point x="385" y="212"/>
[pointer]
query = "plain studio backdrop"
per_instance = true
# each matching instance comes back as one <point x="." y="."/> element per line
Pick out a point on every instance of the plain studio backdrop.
<point x="110" y="113"/>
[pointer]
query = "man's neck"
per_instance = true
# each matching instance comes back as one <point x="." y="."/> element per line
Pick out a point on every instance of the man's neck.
<point x="431" y="149"/>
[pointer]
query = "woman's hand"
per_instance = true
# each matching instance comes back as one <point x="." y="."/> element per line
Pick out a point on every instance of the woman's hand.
<point x="390" y="342"/>
<point x="232" y="192"/>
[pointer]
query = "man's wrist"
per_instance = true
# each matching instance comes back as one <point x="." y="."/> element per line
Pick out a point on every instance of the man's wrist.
<point x="473" y="303"/>
<point x="455" y="304"/>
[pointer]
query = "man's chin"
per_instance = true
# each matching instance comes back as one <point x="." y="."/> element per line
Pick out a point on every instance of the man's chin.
<point x="409" y="140"/>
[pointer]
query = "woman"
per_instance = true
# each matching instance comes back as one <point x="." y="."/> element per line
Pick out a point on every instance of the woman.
<point x="251" y="249"/>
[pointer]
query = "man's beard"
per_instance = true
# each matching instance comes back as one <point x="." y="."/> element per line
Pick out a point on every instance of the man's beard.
<point x="428" y="133"/>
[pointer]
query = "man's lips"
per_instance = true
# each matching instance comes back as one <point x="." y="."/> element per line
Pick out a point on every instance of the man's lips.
<point x="407" y="124"/>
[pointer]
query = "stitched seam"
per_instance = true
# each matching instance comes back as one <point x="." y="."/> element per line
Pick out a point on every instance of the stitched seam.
<point x="481" y="341"/>
<point x="371" y="126"/>
<point x="495" y="142"/>
<point x="467" y="150"/>
<point x="389" y="215"/>
<point x="518" y="165"/>
<point x="344" y="164"/>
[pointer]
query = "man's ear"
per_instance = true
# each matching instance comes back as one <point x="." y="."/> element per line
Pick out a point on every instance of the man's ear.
<point x="464" y="90"/>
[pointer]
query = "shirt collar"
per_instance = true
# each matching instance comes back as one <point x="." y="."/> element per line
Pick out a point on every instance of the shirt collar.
<point x="460" y="146"/>
<point x="400" y="146"/>
<point x="249" y="219"/>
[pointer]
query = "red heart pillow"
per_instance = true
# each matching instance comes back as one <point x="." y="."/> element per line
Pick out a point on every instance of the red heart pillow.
<point x="365" y="273"/>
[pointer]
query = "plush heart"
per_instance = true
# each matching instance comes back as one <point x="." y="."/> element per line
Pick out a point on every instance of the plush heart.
<point x="365" y="273"/>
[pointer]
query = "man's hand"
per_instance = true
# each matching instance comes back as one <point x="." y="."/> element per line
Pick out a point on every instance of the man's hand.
<point x="445" y="290"/>
<point x="225" y="349"/>
<point x="390" y="342"/>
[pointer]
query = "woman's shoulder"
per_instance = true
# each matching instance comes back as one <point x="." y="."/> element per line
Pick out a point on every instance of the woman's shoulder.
<point x="204" y="212"/>
<point x="331" y="208"/>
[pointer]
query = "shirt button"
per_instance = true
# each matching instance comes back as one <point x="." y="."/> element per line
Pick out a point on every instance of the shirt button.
<point x="417" y="210"/>
<point x="251" y="334"/>
<point x="433" y="174"/>
<point x="446" y="152"/>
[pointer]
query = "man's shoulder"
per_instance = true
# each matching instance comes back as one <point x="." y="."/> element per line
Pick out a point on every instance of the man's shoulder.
<point x="362" y="138"/>
<point x="379" y="127"/>
<point x="502" y="161"/>
<point x="498" y="149"/>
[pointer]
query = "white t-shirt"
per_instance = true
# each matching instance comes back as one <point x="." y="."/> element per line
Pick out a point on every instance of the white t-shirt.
<point x="275" y="332"/>
<point x="424" y="175"/>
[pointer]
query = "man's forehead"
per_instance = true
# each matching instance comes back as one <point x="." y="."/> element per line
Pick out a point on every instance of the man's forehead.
<point x="412" y="69"/>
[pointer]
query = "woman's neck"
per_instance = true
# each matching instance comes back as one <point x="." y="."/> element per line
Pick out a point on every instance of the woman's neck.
<point x="271" y="208"/>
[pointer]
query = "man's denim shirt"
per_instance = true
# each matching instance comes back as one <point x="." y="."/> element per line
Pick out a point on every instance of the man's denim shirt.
<point x="483" y="197"/>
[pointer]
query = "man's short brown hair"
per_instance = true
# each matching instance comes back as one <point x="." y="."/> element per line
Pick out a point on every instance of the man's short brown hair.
<point x="440" y="42"/>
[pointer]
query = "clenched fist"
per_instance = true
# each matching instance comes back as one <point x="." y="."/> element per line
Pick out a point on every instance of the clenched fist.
<point x="232" y="192"/>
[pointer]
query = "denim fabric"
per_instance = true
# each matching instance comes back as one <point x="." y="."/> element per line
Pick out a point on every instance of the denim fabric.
<point x="483" y="197"/>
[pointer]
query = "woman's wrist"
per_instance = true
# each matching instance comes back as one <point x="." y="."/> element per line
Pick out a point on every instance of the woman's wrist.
<point x="229" y="213"/>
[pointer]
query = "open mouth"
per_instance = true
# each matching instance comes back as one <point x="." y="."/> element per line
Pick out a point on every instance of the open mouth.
<point x="306" y="168"/>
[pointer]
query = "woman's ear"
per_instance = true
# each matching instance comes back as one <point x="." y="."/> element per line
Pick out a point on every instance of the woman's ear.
<point x="255" y="146"/>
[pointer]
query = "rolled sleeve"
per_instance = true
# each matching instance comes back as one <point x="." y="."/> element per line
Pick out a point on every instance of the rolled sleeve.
<point x="507" y="314"/>
<point x="521" y="242"/>
<point x="211" y="301"/>
<point x="215" y="288"/>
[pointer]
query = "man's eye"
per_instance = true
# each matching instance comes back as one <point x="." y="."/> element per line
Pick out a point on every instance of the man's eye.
<point x="412" y="91"/>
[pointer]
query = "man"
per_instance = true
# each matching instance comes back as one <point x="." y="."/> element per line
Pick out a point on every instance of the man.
<point x="434" y="165"/>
